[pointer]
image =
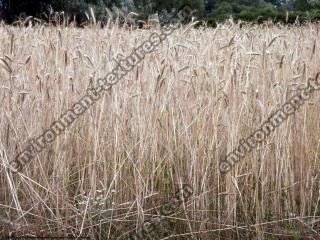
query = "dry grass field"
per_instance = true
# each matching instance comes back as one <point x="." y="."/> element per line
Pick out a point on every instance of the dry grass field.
<point x="169" y="122"/>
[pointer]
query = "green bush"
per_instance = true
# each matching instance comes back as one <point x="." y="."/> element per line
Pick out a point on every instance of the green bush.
<point x="251" y="14"/>
<point x="247" y="15"/>
<point x="315" y="15"/>
<point x="224" y="8"/>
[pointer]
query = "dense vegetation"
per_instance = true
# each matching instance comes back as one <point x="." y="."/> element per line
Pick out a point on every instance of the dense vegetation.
<point x="171" y="120"/>
<point x="209" y="10"/>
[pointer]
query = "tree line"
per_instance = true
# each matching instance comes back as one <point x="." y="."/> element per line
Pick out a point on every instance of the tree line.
<point x="212" y="11"/>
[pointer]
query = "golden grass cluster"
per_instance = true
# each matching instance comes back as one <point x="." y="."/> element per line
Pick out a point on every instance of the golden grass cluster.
<point x="170" y="121"/>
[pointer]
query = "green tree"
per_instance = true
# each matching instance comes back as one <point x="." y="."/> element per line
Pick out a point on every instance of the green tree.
<point x="148" y="7"/>
<point x="302" y="5"/>
<point x="210" y="5"/>
<point x="69" y="7"/>
<point x="29" y="7"/>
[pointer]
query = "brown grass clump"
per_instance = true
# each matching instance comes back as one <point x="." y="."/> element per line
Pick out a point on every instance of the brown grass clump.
<point x="169" y="121"/>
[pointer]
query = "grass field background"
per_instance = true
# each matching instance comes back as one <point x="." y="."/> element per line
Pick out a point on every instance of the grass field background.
<point x="169" y="121"/>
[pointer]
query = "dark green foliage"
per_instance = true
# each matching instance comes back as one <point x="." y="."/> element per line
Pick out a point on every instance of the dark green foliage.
<point x="39" y="8"/>
<point x="260" y="11"/>
<point x="152" y="6"/>
<point x="302" y="5"/>
<point x="211" y="11"/>
<point x="29" y="7"/>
